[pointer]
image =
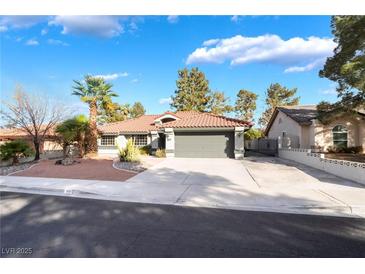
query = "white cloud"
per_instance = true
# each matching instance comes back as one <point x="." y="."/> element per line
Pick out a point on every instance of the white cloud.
<point x="135" y="80"/>
<point x="164" y="101"/>
<point x="57" y="42"/>
<point x="172" y="19"/>
<point x="236" y="18"/>
<point x="32" y="42"/>
<point x="100" y="26"/>
<point x="112" y="76"/>
<point x="3" y="28"/>
<point x="331" y="90"/>
<point x="210" y="42"/>
<point x="133" y="26"/>
<point x="308" y="67"/>
<point x="19" y="22"/>
<point x="238" y="50"/>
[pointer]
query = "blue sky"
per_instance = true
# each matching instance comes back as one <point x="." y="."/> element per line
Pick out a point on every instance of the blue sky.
<point x="141" y="55"/>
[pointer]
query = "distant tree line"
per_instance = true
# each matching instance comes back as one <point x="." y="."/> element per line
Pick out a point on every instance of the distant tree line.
<point x="193" y="93"/>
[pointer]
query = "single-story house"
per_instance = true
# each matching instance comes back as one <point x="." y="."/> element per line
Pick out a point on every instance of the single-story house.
<point x="49" y="143"/>
<point x="181" y="134"/>
<point x="298" y="127"/>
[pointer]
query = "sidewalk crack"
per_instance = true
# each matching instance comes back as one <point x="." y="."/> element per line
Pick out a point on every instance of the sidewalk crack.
<point x="252" y="177"/>
<point x="182" y="194"/>
<point x="334" y="198"/>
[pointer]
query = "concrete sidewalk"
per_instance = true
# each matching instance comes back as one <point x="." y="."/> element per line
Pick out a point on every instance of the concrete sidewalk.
<point x="304" y="201"/>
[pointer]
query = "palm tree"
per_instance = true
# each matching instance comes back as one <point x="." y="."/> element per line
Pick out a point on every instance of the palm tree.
<point x="95" y="92"/>
<point x="73" y="131"/>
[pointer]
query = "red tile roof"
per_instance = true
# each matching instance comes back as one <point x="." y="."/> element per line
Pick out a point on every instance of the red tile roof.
<point x="187" y="119"/>
<point x="204" y="120"/>
<point x="143" y="124"/>
<point x="17" y="132"/>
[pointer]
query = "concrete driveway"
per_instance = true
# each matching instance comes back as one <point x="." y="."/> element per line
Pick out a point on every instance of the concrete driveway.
<point x="263" y="184"/>
<point x="197" y="172"/>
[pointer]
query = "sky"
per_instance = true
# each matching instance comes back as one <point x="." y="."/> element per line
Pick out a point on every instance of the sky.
<point x="140" y="56"/>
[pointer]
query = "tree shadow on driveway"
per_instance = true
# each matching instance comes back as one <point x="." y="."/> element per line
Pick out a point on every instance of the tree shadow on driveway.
<point x="281" y="170"/>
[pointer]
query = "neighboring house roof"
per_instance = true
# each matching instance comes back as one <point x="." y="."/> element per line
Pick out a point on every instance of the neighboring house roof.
<point x="302" y="114"/>
<point x="8" y="133"/>
<point x="187" y="119"/>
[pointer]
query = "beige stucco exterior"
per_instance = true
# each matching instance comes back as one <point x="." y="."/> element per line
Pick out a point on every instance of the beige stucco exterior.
<point x="317" y="134"/>
<point x="284" y="126"/>
<point x="323" y="133"/>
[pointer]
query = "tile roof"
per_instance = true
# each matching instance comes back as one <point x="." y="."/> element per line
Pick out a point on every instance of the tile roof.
<point x="303" y="114"/>
<point x="187" y="119"/>
<point x="17" y="132"/>
<point x="204" y="120"/>
<point x="143" y="124"/>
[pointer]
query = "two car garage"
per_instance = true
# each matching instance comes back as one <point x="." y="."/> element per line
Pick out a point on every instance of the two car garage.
<point x="219" y="144"/>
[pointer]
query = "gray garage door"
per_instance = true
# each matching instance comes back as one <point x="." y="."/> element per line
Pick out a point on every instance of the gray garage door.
<point x="204" y="144"/>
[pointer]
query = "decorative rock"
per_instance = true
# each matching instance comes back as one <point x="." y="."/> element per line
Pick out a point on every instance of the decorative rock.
<point x="10" y="169"/>
<point x="134" y="166"/>
<point x="67" y="161"/>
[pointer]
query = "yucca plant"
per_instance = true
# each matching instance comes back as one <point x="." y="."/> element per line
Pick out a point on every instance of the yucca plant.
<point x="130" y="153"/>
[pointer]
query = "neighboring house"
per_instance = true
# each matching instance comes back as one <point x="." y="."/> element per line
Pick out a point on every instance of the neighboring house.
<point x="298" y="127"/>
<point x="49" y="144"/>
<point x="181" y="134"/>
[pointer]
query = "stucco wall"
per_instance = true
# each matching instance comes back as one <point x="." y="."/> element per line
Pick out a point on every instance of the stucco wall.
<point x="51" y="145"/>
<point x="283" y="123"/>
<point x="355" y="132"/>
<point x="317" y="134"/>
<point x="349" y="170"/>
<point x="305" y="137"/>
<point x="112" y="151"/>
<point x="362" y="134"/>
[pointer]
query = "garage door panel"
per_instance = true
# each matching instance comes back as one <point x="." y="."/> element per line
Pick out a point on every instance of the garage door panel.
<point x="204" y="145"/>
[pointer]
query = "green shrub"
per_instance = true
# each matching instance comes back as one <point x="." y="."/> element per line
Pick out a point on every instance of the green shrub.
<point x="253" y="133"/>
<point x="353" y="150"/>
<point x="15" y="150"/>
<point x="160" y="153"/>
<point x="146" y="150"/>
<point x="130" y="153"/>
<point x="331" y="149"/>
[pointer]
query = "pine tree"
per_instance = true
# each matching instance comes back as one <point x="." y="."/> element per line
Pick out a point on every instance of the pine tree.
<point x="192" y="91"/>
<point x="277" y="95"/>
<point x="218" y="103"/>
<point x="137" y="110"/>
<point x="245" y="105"/>
<point x="347" y="65"/>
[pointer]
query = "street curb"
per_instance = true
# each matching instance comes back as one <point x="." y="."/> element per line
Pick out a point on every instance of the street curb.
<point x="88" y="195"/>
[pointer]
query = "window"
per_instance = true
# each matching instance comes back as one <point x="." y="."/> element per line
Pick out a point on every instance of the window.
<point x="107" y="140"/>
<point x="139" y="140"/>
<point x="339" y="134"/>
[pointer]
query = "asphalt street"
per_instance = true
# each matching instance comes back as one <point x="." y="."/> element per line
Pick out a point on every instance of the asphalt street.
<point x="50" y="226"/>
